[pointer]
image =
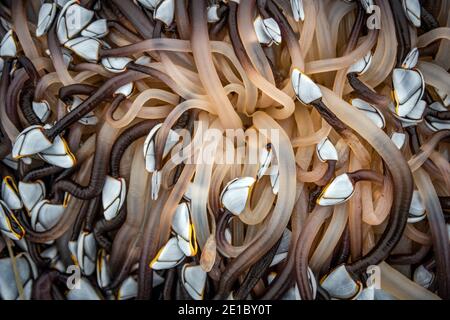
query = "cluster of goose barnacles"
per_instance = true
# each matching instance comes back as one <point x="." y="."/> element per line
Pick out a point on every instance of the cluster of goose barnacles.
<point x="359" y="178"/>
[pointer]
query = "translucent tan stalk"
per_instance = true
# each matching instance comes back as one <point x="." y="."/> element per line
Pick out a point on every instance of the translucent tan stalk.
<point x="309" y="26"/>
<point x="439" y="232"/>
<point x="417" y="236"/>
<point x="201" y="51"/>
<point x="435" y="75"/>
<point x="330" y="238"/>
<point x="426" y="149"/>
<point x="375" y="216"/>
<point x="401" y="287"/>
<point x="19" y="20"/>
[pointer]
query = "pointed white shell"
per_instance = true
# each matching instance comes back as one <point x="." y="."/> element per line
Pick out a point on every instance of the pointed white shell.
<point x="58" y="154"/>
<point x="267" y="31"/>
<point x="409" y="87"/>
<point x="45" y="215"/>
<point x="113" y="196"/>
<point x="435" y="124"/>
<point x="10" y="193"/>
<point x="371" y="112"/>
<point x="168" y="256"/>
<point x="42" y="110"/>
<point x="47" y="14"/>
<point x="338" y="191"/>
<point x="85" y="292"/>
<point x="27" y="272"/>
<point x="11" y="162"/>
<point x="194" y="280"/>
<point x="297" y="10"/>
<point x="125" y="90"/>
<point x="8" y="46"/>
<point x="165" y="12"/>
<point x="72" y="20"/>
<point x="31" y="193"/>
<point x="30" y="141"/>
<point x="340" y="284"/>
<point x="128" y="289"/>
<point x="103" y="270"/>
<point x="367" y="4"/>
<point x="265" y="160"/>
<point x="412" y="11"/>
<point x="87" y="253"/>
<point x="9" y="225"/>
<point x="181" y="225"/>
<point x="144" y="61"/>
<point x="416" y="113"/>
<point x="305" y="89"/>
<point x="411" y="59"/>
<point x="149" y="146"/>
<point x="149" y="4"/>
<point x="97" y="29"/>
<point x="416" y="209"/>
<point x="398" y="139"/>
<point x="116" y="64"/>
<point x="212" y="13"/>
<point x="156" y="184"/>
<point x="86" y="48"/>
<point x="275" y="179"/>
<point x="423" y="277"/>
<point x="362" y="65"/>
<point x="236" y="193"/>
<point x="326" y="151"/>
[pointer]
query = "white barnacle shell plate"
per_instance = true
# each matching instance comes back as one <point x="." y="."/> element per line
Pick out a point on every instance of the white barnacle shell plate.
<point x="340" y="284"/>
<point x="103" y="270"/>
<point x="409" y="87"/>
<point x="84" y="47"/>
<point x="412" y="11"/>
<point x="267" y="31"/>
<point x="41" y="109"/>
<point x="30" y="141"/>
<point x="423" y="277"/>
<point x="337" y="192"/>
<point x="297" y="10"/>
<point x="58" y="154"/>
<point x="305" y="89"/>
<point x="371" y="112"/>
<point x="47" y="14"/>
<point x="275" y="179"/>
<point x="9" y="225"/>
<point x="212" y="13"/>
<point x="125" y="90"/>
<point x="149" y="4"/>
<point x="326" y="151"/>
<point x="83" y="291"/>
<point x="411" y="59"/>
<point x="416" y="209"/>
<point x="415" y="115"/>
<point x="113" y="196"/>
<point x="26" y="272"/>
<point x="362" y="65"/>
<point x="72" y="20"/>
<point x="116" y="64"/>
<point x="87" y="253"/>
<point x="8" y="46"/>
<point x="194" y="280"/>
<point x="398" y="139"/>
<point x="45" y="215"/>
<point x="149" y="146"/>
<point x="31" y="193"/>
<point x="367" y="5"/>
<point x="10" y="193"/>
<point x="165" y="12"/>
<point x="169" y="256"/>
<point x="236" y="193"/>
<point x="128" y="289"/>
<point x="265" y="160"/>
<point x="182" y="226"/>
<point x="97" y="29"/>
